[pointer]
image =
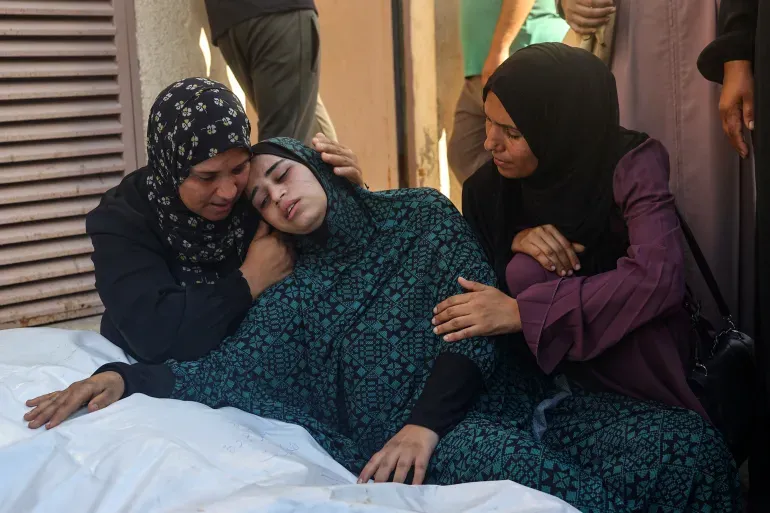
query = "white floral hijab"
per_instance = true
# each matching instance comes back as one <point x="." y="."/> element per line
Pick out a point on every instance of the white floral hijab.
<point x="191" y="121"/>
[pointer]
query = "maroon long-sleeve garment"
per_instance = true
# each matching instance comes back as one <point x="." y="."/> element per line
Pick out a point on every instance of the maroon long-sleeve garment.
<point x="624" y="330"/>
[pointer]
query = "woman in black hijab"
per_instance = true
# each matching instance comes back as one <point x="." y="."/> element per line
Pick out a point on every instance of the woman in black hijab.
<point x="177" y="254"/>
<point x="577" y="218"/>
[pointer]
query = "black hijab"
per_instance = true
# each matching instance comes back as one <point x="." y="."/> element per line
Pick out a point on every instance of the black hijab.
<point x="191" y="121"/>
<point x="564" y="102"/>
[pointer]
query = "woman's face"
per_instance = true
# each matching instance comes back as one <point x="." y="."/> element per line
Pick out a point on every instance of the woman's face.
<point x="214" y="185"/>
<point x="511" y="152"/>
<point x="287" y="194"/>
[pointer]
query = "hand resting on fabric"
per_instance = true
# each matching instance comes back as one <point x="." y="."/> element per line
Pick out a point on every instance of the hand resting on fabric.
<point x="97" y="392"/>
<point x="483" y="311"/>
<point x="410" y="448"/>
<point x="550" y="248"/>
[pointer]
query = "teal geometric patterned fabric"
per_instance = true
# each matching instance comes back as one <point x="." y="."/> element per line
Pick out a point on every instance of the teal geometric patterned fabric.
<point x="344" y="345"/>
<point x="601" y="452"/>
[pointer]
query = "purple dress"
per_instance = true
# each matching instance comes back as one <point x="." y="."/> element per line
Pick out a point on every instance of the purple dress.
<point x="624" y="330"/>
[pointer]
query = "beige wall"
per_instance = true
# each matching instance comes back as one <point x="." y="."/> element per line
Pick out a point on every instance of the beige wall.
<point x="357" y="83"/>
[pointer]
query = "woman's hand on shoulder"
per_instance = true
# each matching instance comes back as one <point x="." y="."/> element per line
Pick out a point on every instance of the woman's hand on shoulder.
<point x="341" y="157"/>
<point x="483" y="311"/>
<point x="550" y="248"/>
<point x="410" y="448"/>
<point x="98" y="391"/>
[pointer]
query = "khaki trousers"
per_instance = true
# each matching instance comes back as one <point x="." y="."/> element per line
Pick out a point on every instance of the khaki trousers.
<point x="275" y="58"/>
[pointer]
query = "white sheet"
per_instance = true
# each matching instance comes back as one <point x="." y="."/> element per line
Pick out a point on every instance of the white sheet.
<point x="150" y="455"/>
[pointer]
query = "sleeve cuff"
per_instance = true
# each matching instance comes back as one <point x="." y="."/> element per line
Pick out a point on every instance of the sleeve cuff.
<point x="236" y="286"/>
<point x="734" y="46"/>
<point x="535" y="305"/>
<point x="451" y="389"/>
<point x="142" y="378"/>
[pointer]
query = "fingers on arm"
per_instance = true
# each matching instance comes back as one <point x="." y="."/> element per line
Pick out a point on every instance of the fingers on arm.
<point x="452" y="301"/>
<point x="557" y="255"/>
<point x="545" y="250"/>
<point x="458" y="323"/>
<point x="567" y="249"/>
<point x="472" y="330"/>
<point x="471" y="286"/>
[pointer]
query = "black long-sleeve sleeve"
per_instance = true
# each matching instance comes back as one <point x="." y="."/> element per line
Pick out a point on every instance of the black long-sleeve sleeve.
<point x="148" y="313"/>
<point x="736" y="40"/>
<point x="157" y="318"/>
<point x="152" y="379"/>
<point x="452" y="387"/>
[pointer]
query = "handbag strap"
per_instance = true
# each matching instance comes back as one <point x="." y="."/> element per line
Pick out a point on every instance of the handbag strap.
<point x="704" y="268"/>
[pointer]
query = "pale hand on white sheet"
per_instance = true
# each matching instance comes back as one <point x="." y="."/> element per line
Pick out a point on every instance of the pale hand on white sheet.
<point x="410" y="448"/>
<point x="96" y="392"/>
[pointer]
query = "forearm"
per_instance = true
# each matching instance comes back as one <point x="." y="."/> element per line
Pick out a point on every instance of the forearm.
<point x="513" y="14"/>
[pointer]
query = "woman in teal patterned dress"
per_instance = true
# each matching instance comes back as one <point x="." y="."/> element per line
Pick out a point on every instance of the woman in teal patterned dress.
<point x="344" y="347"/>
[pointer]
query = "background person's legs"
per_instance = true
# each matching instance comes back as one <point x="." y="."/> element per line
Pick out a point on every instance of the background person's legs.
<point x="276" y="60"/>
<point x="323" y="122"/>
<point x="465" y="150"/>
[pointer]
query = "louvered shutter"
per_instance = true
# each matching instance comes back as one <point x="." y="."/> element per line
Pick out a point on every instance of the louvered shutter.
<point x="66" y="136"/>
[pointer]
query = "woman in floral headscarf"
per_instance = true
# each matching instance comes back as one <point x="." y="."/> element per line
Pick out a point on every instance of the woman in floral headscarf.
<point x="178" y="254"/>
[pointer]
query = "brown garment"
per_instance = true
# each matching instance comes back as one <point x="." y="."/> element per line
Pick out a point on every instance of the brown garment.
<point x="276" y="60"/>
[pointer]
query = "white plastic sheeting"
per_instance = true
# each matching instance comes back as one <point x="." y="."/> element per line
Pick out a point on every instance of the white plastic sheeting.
<point x="149" y="455"/>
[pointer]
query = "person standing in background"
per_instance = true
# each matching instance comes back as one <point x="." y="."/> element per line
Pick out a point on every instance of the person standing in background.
<point x="739" y="58"/>
<point x="654" y="61"/>
<point x="273" y="48"/>
<point x="491" y="30"/>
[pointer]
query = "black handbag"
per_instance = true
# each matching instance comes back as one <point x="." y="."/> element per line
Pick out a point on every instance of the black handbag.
<point x="723" y="374"/>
